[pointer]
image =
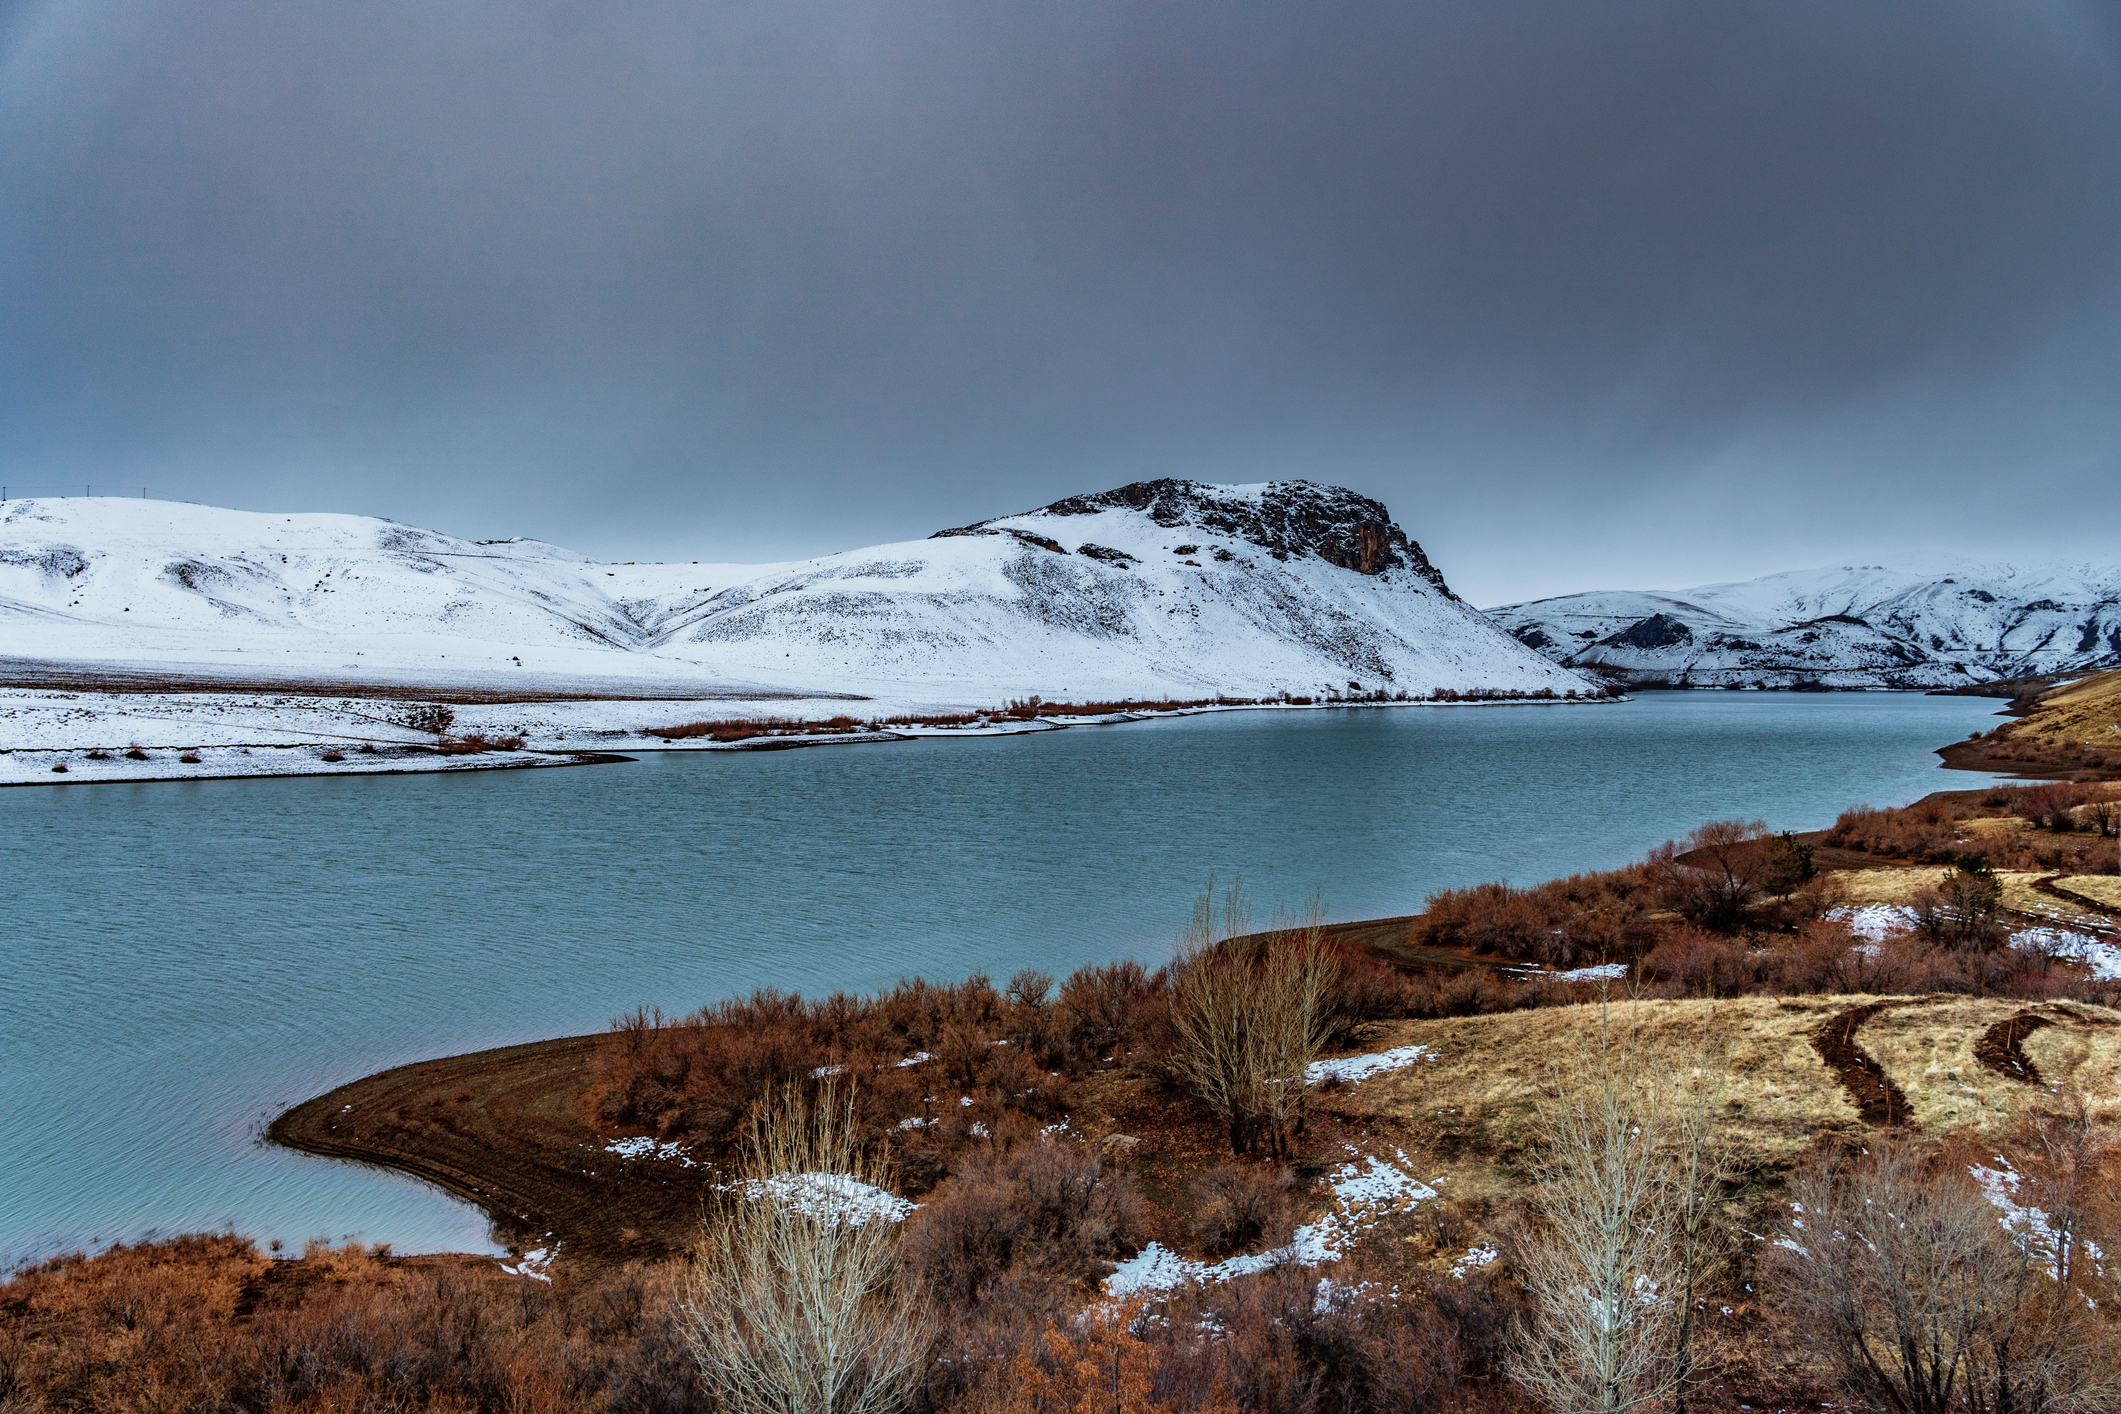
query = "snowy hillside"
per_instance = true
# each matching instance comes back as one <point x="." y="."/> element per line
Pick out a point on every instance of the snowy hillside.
<point x="1939" y="624"/>
<point x="1167" y="588"/>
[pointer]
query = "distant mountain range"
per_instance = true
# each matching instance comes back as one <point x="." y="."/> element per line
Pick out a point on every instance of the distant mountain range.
<point x="1157" y="589"/>
<point x="1938" y="624"/>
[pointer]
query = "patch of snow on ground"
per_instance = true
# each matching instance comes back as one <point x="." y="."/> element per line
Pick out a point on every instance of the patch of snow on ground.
<point x="535" y="1264"/>
<point x="1603" y="972"/>
<point x="839" y="1197"/>
<point x="1875" y="920"/>
<point x="643" y="1147"/>
<point x="2031" y="1228"/>
<point x="2104" y="959"/>
<point x="1363" y="1192"/>
<point x="1474" y="1260"/>
<point x="1352" y="1069"/>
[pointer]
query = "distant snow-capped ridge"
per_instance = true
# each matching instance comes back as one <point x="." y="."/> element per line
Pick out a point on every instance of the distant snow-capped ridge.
<point x="1938" y="624"/>
<point x="1162" y="588"/>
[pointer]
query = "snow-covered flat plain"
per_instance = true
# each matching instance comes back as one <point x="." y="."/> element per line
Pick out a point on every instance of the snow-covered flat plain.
<point x="178" y="627"/>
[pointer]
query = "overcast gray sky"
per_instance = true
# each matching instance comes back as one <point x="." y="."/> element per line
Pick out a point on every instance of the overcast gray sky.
<point x="1592" y="295"/>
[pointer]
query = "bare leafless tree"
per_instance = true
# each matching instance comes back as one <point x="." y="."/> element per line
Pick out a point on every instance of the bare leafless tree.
<point x="1249" y="1019"/>
<point x="1698" y="1167"/>
<point x="1601" y="1263"/>
<point x="1292" y="1019"/>
<point x="1728" y="864"/>
<point x="1931" y="1300"/>
<point x="798" y="1304"/>
<point x="1212" y="995"/>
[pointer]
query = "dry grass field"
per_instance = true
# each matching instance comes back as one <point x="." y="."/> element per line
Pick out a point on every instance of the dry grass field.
<point x="1470" y="1108"/>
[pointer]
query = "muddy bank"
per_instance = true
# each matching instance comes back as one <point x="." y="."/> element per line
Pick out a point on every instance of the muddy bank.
<point x="507" y="1130"/>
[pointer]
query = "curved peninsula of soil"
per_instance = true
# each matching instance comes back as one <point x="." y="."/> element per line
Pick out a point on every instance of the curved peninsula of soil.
<point x="510" y="1130"/>
<point x="2063" y="730"/>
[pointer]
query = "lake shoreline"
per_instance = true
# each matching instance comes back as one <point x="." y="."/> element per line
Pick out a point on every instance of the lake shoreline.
<point x="412" y="752"/>
<point x="296" y="906"/>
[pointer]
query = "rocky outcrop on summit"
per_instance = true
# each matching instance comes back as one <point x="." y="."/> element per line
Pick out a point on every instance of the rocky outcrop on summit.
<point x="1285" y="518"/>
<point x="1944" y="624"/>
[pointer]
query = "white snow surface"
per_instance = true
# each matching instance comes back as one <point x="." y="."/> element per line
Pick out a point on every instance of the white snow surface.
<point x="1355" y="1069"/>
<point x="1365" y="1190"/>
<point x="838" y="1197"/>
<point x="1875" y="921"/>
<point x="976" y="616"/>
<point x="1933" y="622"/>
<point x="2031" y="1228"/>
<point x="1602" y="972"/>
<point x="643" y="1147"/>
<point x="2103" y="958"/>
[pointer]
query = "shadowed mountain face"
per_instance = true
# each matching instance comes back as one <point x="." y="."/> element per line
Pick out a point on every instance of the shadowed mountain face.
<point x="1939" y="625"/>
<point x="1158" y="589"/>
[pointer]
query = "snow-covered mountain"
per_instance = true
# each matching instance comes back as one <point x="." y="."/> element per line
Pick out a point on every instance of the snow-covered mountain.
<point x="1934" y="624"/>
<point x="1163" y="588"/>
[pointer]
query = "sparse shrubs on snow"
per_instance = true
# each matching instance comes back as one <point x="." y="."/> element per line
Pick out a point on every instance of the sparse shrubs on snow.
<point x="430" y="717"/>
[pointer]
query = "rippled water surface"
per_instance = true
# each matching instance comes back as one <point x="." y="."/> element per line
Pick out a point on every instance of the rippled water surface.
<point x="180" y="961"/>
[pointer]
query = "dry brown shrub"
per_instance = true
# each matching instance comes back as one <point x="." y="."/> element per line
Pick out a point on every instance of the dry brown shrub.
<point x="1927" y="831"/>
<point x="207" y="1323"/>
<point x="1240" y="1206"/>
<point x="1562" y="923"/>
<point x="696" y="1077"/>
<point x="1895" y="1271"/>
<point x="1048" y="1211"/>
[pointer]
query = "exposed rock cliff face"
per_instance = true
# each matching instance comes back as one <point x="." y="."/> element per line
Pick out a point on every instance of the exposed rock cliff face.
<point x="1284" y="518"/>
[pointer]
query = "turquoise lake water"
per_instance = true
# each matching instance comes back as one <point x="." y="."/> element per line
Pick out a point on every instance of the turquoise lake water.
<point x="183" y="960"/>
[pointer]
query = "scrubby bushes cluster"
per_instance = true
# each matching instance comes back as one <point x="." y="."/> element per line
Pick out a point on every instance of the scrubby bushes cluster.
<point x="733" y="729"/>
<point x="940" y="1065"/>
<point x="210" y="1325"/>
<point x="1825" y="958"/>
<point x="477" y="743"/>
<point x="933" y="1064"/>
<point x="745" y="728"/>
<point x="1585" y="918"/>
<point x="2033" y="751"/>
<point x="1934" y="831"/>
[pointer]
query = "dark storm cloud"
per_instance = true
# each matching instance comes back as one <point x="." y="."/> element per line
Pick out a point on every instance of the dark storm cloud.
<point x="1591" y="294"/>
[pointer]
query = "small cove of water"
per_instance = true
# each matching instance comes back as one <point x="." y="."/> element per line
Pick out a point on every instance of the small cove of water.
<point x="182" y="960"/>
